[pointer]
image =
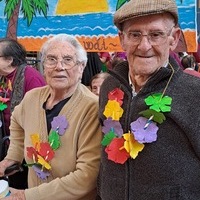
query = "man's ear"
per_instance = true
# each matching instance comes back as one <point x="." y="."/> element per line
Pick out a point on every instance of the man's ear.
<point x="175" y="38"/>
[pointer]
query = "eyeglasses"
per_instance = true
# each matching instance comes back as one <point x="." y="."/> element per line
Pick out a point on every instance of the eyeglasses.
<point x="154" y="37"/>
<point x="67" y="62"/>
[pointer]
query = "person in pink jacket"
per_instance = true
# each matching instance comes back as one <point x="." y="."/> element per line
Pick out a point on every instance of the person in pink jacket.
<point x="16" y="79"/>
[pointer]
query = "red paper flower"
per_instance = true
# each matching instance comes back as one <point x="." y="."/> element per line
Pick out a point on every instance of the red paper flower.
<point x="116" y="151"/>
<point x="116" y="95"/>
<point x="46" y="151"/>
<point x="32" y="153"/>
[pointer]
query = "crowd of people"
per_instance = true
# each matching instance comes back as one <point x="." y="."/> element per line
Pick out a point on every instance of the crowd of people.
<point x="104" y="126"/>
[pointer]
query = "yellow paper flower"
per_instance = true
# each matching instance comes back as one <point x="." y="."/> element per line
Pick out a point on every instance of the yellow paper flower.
<point x="10" y="85"/>
<point x="43" y="162"/>
<point x="113" y="109"/>
<point x="35" y="139"/>
<point x="131" y="145"/>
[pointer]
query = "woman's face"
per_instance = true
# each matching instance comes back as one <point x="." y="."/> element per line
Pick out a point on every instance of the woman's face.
<point x="66" y="72"/>
<point x="5" y="63"/>
<point x="96" y="85"/>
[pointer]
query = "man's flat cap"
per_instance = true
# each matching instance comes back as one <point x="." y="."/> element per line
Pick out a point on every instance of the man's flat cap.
<point x="139" y="8"/>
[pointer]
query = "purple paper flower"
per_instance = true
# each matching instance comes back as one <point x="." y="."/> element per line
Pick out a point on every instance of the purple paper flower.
<point x="41" y="174"/>
<point x="144" y="135"/>
<point x="59" y="124"/>
<point x="114" y="125"/>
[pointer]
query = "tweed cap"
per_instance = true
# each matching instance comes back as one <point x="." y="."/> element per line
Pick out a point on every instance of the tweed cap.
<point x="138" y="8"/>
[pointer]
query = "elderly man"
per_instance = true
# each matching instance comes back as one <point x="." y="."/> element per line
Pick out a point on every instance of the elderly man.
<point x="149" y="112"/>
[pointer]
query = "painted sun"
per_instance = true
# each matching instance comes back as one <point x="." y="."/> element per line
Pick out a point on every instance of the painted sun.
<point x="81" y="6"/>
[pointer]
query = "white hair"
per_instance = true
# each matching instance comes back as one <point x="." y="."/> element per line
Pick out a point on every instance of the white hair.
<point x="80" y="51"/>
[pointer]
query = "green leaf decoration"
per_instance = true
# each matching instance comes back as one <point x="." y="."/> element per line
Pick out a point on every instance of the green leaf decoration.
<point x="54" y="140"/>
<point x="3" y="106"/>
<point x="2" y="84"/>
<point x="29" y="165"/>
<point x="108" y="138"/>
<point x="120" y="3"/>
<point x="157" y="116"/>
<point x="159" y="103"/>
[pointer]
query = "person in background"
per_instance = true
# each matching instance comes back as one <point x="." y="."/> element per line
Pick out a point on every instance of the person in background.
<point x="105" y="59"/>
<point x="16" y="79"/>
<point x="148" y="111"/>
<point x="189" y="64"/>
<point x="120" y="55"/>
<point x="92" y="68"/>
<point x="176" y="57"/>
<point x="197" y="53"/>
<point x="56" y="128"/>
<point x="115" y="61"/>
<point x="96" y="82"/>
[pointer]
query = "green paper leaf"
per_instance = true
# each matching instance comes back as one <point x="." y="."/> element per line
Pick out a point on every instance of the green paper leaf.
<point x="157" y="116"/>
<point x="3" y="106"/>
<point x="108" y="138"/>
<point x="54" y="140"/>
<point x="159" y="103"/>
<point x="29" y="165"/>
<point x="165" y="104"/>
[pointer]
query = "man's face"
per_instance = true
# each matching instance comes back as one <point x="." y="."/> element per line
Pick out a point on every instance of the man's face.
<point x="148" y="53"/>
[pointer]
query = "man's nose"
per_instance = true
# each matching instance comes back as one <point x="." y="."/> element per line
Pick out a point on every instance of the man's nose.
<point x="144" y="43"/>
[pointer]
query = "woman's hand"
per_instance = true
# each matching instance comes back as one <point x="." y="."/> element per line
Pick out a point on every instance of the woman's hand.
<point x="15" y="195"/>
<point x="4" y="164"/>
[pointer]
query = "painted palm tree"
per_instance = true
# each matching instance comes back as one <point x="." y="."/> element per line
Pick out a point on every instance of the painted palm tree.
<point x="28" y="9"/>
<point x="121" y="2"/>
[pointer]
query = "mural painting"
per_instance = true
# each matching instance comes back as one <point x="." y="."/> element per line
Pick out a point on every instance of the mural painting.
<point x="91" y="21"/>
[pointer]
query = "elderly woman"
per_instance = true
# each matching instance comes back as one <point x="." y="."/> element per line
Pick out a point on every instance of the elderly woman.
<point x="56" y="128"/>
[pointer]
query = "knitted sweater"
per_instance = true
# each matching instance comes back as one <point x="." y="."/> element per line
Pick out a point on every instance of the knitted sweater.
<point x="168" y="168"/>
<point x="76" y="162"/>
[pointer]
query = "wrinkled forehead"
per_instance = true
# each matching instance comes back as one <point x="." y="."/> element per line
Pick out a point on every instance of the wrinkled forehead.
<point x="61" y="48"/>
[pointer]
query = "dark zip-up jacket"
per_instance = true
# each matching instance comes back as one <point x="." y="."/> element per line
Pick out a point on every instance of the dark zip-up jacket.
<point x="168" y="168"/>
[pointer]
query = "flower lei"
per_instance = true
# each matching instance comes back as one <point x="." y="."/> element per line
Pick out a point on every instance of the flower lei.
<point x="122" y="146"/>
<point x="4" y="89"/>
<point x="43" y="152"/>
